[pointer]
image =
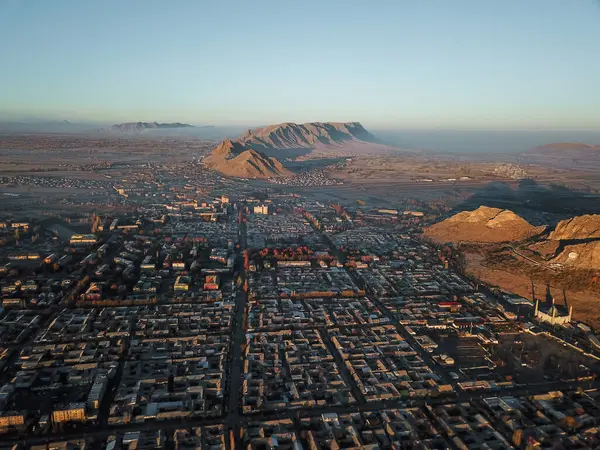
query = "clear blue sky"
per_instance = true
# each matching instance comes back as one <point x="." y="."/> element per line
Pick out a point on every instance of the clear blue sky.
<point x="389" y="64"/>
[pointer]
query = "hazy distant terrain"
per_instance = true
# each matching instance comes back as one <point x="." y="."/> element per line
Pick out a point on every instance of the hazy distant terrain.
<point x="482" y="143"/>
<point x="140" y="127"/>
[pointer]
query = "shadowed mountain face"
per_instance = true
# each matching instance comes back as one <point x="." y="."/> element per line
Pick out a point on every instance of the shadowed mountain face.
<point x="138" y="127"/>
<point x="255" y="154"/>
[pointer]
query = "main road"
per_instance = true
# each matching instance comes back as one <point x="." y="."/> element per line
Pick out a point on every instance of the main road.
<point x="233" y="418"/>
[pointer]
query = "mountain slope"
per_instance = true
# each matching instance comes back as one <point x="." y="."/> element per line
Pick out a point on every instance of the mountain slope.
<point x="227" y="159"/>
<point x="579" y="227"/>
<point x="247" y="155"/>
<point x="580" y="256"/>
<point x="484" y="225"/>
<point x="138" y="127"/>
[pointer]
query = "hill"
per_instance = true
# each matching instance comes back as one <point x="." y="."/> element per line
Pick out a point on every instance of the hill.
<point x="232" y="161"/>
<point x="139" y="127"/>
<point x="484" y="225"/>
<point x="564" y="146"/>
<point x="580" y="256"/>
<point x="257" y="153"/>
<point x="565" y="154"/>
<point x="580" y="227"/>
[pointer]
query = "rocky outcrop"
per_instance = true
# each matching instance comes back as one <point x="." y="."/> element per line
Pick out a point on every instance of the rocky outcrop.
<point x="580" y="256"/>
<point x="577" y="228"/>
<point x="484" y="225"/>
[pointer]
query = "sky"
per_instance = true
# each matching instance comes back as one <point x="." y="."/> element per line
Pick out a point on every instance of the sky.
<point x="439" y="64"/>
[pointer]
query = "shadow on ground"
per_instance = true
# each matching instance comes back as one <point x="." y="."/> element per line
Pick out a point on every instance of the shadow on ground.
<point x="536" y="203"/>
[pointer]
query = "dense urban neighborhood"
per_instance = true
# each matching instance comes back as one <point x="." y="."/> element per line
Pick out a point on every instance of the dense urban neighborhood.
<point x="241" y="319"/>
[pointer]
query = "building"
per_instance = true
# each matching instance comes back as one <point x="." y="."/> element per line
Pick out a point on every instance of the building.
<point x="74" y="412"/>
<point x="96" y="393"/>
<point x="212" y="283"/>
<point x="83" y="239"/>
<point x="12" y="419"/>
<point x="178" y="265"/>
<point x="20" y="225"/>
<point x="148" y="264"/>
<point x="93" y="293"/>
<point x="182" y="283"/>
<point x="554" y="315"/>
<point x="261" y="209"/>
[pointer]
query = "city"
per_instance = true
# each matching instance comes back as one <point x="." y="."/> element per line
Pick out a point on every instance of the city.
<point x="314" y="225"/>
<point x="217" y="321"/>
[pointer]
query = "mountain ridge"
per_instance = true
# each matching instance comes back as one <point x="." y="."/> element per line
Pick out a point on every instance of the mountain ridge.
<point x="138" y="127"/>
<point x="230" y="157"/>
<point x="577" y="228"/>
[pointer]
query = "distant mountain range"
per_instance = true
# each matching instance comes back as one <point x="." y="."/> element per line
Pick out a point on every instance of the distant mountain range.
<point x="257" y="153"/>
<point x="139" y="127"/>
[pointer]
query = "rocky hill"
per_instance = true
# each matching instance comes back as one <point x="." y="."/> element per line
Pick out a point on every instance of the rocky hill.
<point x="484" y="225"/>
<point x="580" y="256"/>
<point x="576" y="228"/>
<point x="139" y="127"/>
<point x="257" y="153"/>
<point x="232" y="160"/>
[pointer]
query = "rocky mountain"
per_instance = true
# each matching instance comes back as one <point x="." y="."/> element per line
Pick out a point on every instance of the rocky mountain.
<point x="139" y="127"/>
<point x="232" y="160"/>
<point x="257" y="153"/>
<point x="308" y="135"/>
<point x="576" y="228"/>
<point x="485" y="225"/>
<point x="580" y="256"/>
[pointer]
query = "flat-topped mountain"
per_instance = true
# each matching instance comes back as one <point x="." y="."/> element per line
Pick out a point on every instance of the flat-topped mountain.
<point x="486" y="225"/>
<point x="577" y="228"/>
<point x="138" y="127"/>
<point x="257" y="153"/>
<point x="307" y="135"/>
